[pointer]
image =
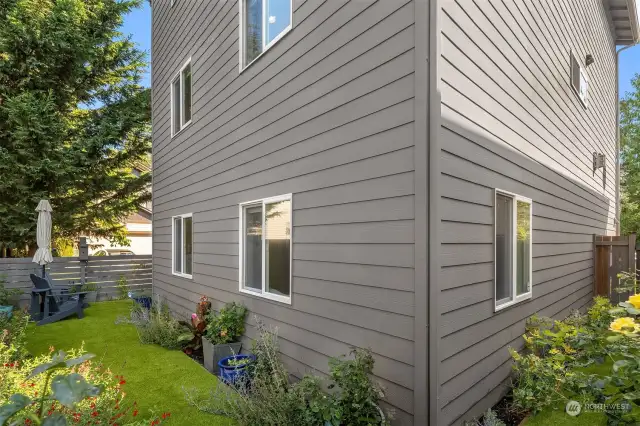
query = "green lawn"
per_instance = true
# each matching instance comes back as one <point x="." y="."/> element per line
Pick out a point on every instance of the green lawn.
<point x="556" y="415"/>
<point x="154" y="375"/>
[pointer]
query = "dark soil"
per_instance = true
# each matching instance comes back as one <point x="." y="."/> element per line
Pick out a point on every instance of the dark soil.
<point x="197" y="356"/>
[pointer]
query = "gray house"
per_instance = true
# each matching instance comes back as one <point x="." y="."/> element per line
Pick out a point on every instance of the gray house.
<point x="416" y="177"/>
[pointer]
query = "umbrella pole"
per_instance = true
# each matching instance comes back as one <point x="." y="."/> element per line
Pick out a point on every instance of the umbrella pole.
<point x="43" y="271"/>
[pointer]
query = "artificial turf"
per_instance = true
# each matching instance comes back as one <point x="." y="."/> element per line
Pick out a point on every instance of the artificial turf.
<point x="154" y="376"/>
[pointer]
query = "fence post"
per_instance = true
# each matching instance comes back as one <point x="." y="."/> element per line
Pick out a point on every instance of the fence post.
<point x="83" y="256"/>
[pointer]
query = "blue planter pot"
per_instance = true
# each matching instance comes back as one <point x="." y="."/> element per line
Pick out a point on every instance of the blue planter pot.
<point x="6" y="311"/>
<point x="236" y="375"/>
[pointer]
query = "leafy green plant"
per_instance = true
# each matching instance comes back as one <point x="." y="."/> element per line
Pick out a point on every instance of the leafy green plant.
<point x="123" y="287"/>
<point x="235" y="362"/>
<point x="7" y="294"/>
<point x="13" y="333"/>
<point x="156" y="325"/>
<point x="226" y="326"/>
<point x="54" y="389"/>
<point x="89" y="287"/>
<point x="191" y="340"/>
<point x="270" y="399"/>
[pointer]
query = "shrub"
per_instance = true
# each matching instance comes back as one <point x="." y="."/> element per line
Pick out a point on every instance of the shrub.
<point x="226" y="326"/>
<point x="272" y="400"/>
<point x="65" y="390"/>
<point x="123" y="287"/>
<point x="13" y="332"/>
<point x="7" y="294"/>
<point x="156" y="325"/>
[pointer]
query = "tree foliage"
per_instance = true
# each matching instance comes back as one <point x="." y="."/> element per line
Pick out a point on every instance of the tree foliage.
<point x="74" y="119"/>
<point x="630" y="158"/>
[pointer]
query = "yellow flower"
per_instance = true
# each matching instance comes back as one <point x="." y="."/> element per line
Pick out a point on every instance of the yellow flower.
<point x="635" y="301"/>
<point x="620" y="324"/>
<point x="554" y="351"/>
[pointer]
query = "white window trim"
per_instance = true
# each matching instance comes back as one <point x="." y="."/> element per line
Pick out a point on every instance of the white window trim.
<point x="514" y="297"/>
<point x="263" y="293"/>
<point x="242" y="66"/>
<point x="173" y="245"/>
<point x="582" y="73"/>
<point x="178" y="76"/>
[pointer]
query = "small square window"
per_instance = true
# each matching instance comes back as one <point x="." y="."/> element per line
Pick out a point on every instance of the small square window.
<point x="182" y="245"/>
<point x="513" y="255"/>
<point x="181" y="99"/>
<point x="579" y="80"/>
<point x="265" y="248"/>
<point x="262" y="24"/>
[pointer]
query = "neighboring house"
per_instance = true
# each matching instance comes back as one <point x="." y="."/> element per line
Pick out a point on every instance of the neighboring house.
<point x="431" y="165"/>
<point x="139" y="231"/>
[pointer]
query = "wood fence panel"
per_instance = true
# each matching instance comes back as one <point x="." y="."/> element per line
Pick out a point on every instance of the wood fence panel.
<point x="613" y="255"/>
<point x="134" y="272"/>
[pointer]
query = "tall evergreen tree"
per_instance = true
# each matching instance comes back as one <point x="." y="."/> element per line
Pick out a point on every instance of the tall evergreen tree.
<point x="74" y="119"/>
<point x="630" y="159"/>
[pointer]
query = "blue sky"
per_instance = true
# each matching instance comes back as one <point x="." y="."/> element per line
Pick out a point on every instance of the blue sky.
<point x="138" y="24"/>
<point x="629" y="66"/>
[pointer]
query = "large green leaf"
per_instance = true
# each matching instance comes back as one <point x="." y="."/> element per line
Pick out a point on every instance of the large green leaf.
<point x="71" y="389"/>
<point x="17" y="403"/>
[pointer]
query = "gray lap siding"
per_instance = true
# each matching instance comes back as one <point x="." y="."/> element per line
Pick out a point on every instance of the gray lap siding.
<point x="327" y="115"/>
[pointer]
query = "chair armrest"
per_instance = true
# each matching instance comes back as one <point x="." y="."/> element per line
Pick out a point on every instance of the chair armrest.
<point x="39" y="290"/>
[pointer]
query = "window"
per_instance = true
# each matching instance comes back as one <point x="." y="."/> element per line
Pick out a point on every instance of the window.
<point x="181" y="99"/>
<point x="579" y="80"/>
<point x="513" y="278"/>
<point x="182" y="245"/>
<point x="262" y="24"/>
<point x="265" y="248"/>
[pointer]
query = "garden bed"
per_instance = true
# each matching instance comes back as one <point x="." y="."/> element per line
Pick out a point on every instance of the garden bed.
<point x="154" y="376"/>
<point x="584" y="370"/>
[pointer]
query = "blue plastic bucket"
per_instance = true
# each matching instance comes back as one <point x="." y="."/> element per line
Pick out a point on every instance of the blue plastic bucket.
<point x="235" y="375"/>
<point x="6" y="311"/>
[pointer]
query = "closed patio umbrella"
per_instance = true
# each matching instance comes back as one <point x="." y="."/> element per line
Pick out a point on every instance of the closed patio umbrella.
<point x="43" y="235"/>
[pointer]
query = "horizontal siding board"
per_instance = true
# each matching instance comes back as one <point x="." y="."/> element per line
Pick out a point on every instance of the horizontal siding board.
<point x="382" y="344"/>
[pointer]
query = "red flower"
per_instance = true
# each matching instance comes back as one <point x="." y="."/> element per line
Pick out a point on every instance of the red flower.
<point x="93" y="405"/>
<point x="94" y="414"/>
<point x="32" y="384"/>
<point x="122" y="382"/>
<point x="135" y="413"/>
<point x="166" y="415"/>
<point x="155" y="422"/>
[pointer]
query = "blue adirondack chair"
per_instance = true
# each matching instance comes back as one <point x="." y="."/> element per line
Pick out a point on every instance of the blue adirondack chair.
<point x="49" y="305"/>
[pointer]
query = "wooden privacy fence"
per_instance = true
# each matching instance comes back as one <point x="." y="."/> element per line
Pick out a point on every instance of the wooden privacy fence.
<point x="104" y="271"/>
<point x="613" y="255"/>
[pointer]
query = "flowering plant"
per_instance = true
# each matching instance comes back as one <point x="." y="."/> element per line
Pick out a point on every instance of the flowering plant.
<point x="228" y="325"/>
<point x="196" y="327"/>
<point x="65" y="391"/>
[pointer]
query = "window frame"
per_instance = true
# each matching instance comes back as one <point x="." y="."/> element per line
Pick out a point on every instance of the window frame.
<point x="242" y="227"/>
<point x="515" y="298"/>
<point x="265" y="47"/>
<point x="173" y="245"/>
<point x="582" y="72"/>
<point x="176" y="77"/>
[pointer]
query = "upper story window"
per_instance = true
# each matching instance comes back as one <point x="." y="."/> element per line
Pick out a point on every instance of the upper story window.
<point x="579" y="79"/>
<point x="265" y="248"/>
<point x="182" y="245"/>
<point x="513" y="277"/>
<point x="181" y="99"/>
<point x="262" y="24"/>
